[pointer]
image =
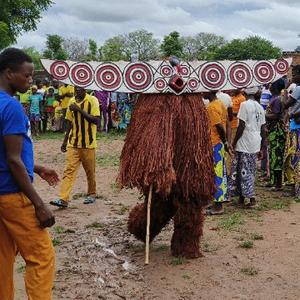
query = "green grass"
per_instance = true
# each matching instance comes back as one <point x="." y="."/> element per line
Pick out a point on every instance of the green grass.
<point x="59" y="229"/>
<point x="250" y="271"/>
<point x="246" y="244"/>
<point x="231" y="221"/>
<point x="176" y="261"/>
<point x="162" y="248"/>
<point x="95" y="225"/>
<point x="256" y="236"/>
<point x="187" y="276"/>
<point x="56" y="242"/>
<point x="115" y="187"/>
<point x="122" y="210"/>
<point x="114" y="134"/>
<point x="108" y="160"/>
<point x="207" y="247"/>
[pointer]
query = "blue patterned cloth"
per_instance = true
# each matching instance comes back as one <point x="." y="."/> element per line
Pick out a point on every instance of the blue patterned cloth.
<point x="242" y="179"/>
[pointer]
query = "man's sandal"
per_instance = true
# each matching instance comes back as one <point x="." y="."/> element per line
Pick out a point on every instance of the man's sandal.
<point x="89" y="200"/>
<point x="59" y="203"/>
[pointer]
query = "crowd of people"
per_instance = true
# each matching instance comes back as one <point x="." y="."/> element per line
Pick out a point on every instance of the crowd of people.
<point x="46" y="103"/>
<point x="250" y="125"/>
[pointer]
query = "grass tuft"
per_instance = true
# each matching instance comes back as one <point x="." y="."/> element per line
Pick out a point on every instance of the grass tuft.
<point x="246" y="244"/>
<point x="250" y="271"/>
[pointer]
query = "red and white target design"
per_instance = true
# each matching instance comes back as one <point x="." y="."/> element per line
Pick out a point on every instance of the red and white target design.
<point x="82" y="74"/>
<point x="264" y="72"/>
<point x="108" y="77"/>
<point x="59" y="70"/>
<point x="240" y="75"/>
<point x="212" y="75"/>
<point x="160" y="84"/>
<point x="185" y="71"/>
<point x="281" y="66"/>
<point x="138" y="77"/>
<point x="193" y="84"/>
<point x="166" y="71"/>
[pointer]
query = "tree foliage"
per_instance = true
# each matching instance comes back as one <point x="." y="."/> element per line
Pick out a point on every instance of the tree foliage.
<point x="201" y="46"/>
<point x="143" y="44"/>
<point x="298" y="49"/>
<point x="75" y="48"/>
<point x="35" y="55"/>
<point x="172" y="45"/>
<point x="93" y="50"/>
<point x="253" y="47"/>
<point x="18" y="16"/>
<point x="113" y="49"/>
<point x="54" y="47"/>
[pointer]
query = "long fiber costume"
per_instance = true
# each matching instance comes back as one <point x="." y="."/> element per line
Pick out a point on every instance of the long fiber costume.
<point x="168" y="146"/>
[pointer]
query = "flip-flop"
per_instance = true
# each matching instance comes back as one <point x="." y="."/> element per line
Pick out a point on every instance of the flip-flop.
<point x="89" y="200"/>
<point x="59" y="203"/>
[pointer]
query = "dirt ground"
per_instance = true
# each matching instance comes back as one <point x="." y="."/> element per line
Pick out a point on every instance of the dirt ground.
<point x="247" y="254"/>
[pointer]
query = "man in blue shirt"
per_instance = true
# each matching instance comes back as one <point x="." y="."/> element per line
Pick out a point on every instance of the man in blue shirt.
<point x="23" y="215"/>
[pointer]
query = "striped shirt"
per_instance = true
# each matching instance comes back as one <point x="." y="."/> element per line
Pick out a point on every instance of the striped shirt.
<point x="83" y="133"/>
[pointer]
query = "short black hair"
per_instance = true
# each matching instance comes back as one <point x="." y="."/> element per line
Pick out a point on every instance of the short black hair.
<point x="13" y="58"/>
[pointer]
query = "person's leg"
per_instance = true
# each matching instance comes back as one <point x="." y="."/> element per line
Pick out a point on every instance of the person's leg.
<point x="70" y="172"/>
<point x="37" y="127"/>
<point x="88" y="159"/>
<point x="33" y="242"/>
<point x="8" y="251"/>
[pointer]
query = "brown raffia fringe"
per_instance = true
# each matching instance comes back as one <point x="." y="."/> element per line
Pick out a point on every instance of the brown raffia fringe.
<point x="168" y="145"/>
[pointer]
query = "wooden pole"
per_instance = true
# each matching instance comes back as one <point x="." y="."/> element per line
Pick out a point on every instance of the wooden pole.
<point x="148" y="226"/>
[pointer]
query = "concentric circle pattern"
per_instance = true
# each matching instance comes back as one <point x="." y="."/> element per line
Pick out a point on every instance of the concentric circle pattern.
<point x="108" y="77"/>
<point x="281" y="66"/>
<point x="185" y="71"/>
<point x="193" y="84"/>
<point x="166" y="71"/>
<point x="138" y="77"/>
<point x="82" y="74"/>
<point x="160" y="84"/>
<point x="240" y="75"/>
<point x="212" y="75"/>
<point x="59" y="70"/>
<point x="264" y="72"/>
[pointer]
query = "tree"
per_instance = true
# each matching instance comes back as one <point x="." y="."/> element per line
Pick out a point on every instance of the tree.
<point x="76" y="49"/>
<point x="35" y="55"/>
<point x="298" y="49"/>
<point x="113" y="49"/>
<point x="172" y="45"/>
<point x="93" y="49"/>
<point x="253" y="47"/>
<point x="201" y="46"/>
<point x="54" y="49"/>
<point x="18" y="16"/>
<point x="143" y="44"/>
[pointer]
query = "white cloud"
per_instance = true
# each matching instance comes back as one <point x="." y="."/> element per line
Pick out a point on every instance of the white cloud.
<point x="276" y="20"/>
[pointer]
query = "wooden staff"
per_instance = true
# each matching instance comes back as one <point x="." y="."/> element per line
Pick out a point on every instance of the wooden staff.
<point x="148" y="226"/>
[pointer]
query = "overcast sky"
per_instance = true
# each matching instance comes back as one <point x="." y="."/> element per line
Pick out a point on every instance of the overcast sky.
<point x="276" y="20"/>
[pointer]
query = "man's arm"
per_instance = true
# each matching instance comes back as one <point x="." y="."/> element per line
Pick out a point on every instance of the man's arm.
<point x="68" y="125"/>
<point x="222" y="135"/>
<point x="239" y="132"/>
<point x="230" y="113"/>
<point x="13" y="147"/>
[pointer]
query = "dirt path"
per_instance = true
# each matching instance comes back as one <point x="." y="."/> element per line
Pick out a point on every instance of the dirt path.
<point x="247" y="254"/>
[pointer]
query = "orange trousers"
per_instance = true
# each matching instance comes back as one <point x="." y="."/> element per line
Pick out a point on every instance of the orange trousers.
<point x="20" y="232"/>
<point x="74" y="157"/>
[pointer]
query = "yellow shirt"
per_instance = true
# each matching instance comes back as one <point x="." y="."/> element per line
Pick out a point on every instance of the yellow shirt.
<point x="217" y="114"/>
<point x="236" y="103"/>
<point x="83" y="133"/>
<point x="24" y="97"/>
<point x="65" y="90"/>
<point x="58" y="110"/>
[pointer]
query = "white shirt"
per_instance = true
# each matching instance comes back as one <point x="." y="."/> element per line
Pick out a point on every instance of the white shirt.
<point x="253" y="115"/>
<point x="225" y="98"/>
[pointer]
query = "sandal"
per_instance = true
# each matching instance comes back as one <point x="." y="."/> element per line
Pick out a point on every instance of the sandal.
<point x="59" y="203"/>
<point x="89" y="200"/>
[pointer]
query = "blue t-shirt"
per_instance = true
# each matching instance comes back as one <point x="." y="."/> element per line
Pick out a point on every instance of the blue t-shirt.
<point x="13" y="121"/>
<point x="295" y="95"/>
<point x="35" y="103"/>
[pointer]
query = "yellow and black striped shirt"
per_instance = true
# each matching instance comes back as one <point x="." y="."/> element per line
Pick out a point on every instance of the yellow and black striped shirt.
<point x="83" y="133"/>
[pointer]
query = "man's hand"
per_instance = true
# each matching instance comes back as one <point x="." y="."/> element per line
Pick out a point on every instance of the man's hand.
<point x="260" y="155"/>
<point x="49" y="175"/>
<point x="63" y="147"/>
<point x="228" y="149"/>
<point x="74" y="107"/>
<point x="45" y="216"/>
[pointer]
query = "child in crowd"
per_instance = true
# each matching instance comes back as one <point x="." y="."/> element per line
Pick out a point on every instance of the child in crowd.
<point x="49" y="109"/>
<point x="35" y="110"/>
<point x="58" y="116"/>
